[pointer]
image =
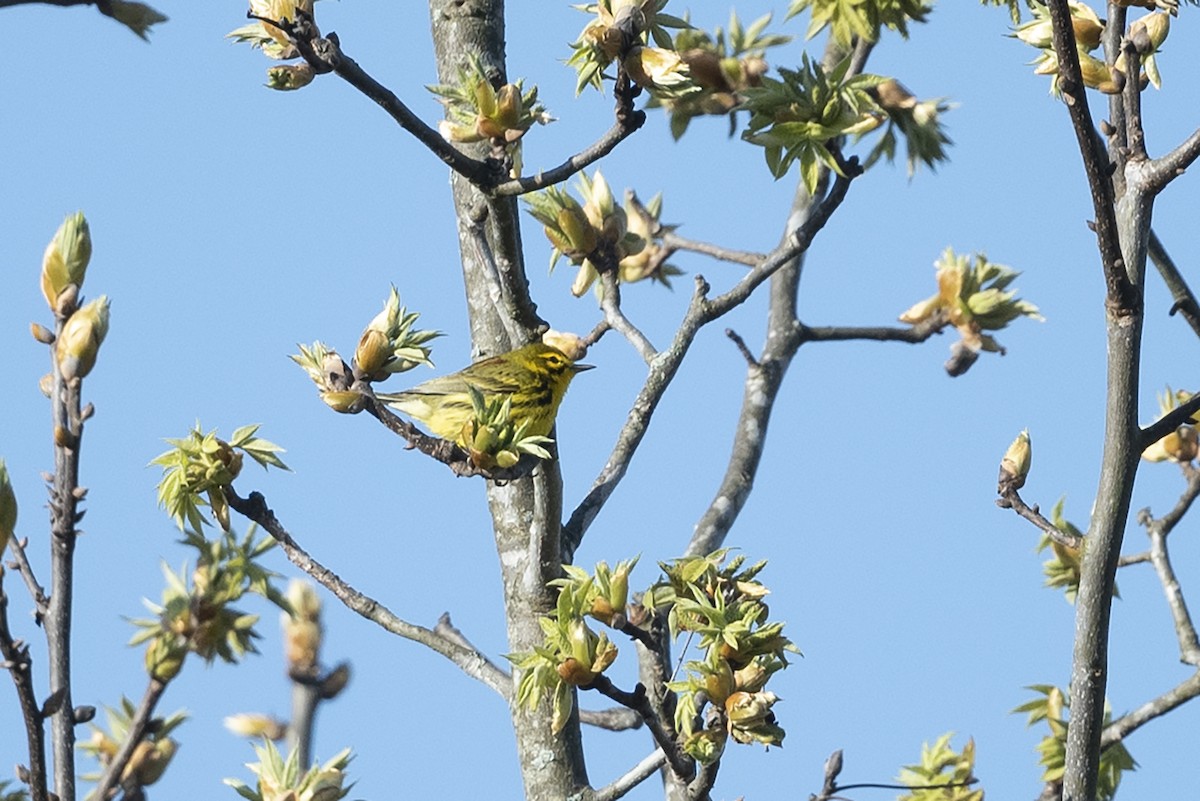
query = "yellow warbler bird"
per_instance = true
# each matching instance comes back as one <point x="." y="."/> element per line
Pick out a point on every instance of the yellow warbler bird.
<point x="534" y="378"/>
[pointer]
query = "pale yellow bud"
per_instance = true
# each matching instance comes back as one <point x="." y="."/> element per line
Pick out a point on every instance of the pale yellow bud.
<point x="66" y="258"/>
<point x="289" y="77"/>
<point x="254" y="725"/>
<point x="1014" y="467"/>
<point x="8" y="508"/>
<point x="81" y="337"/>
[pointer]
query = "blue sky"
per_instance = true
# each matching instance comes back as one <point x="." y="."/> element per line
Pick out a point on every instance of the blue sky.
<point x="231" y="222"/>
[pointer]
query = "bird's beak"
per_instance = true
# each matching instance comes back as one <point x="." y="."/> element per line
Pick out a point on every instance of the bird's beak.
<point x="579" y="368"/>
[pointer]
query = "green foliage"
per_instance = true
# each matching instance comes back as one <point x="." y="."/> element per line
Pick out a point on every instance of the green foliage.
<point x="1050" y="706"/>
<point x="280" y="779"/>
<point x="476" y="110"/>
<point x="18" y="794"/>
<point x="494" y="439"/>
<point x="151" y="756"/>
<point x="721" y="65"/>
<point x="617" y="29"/>
<point x="942" y="774"/>
<point x="973" y="295"/>
<point x="1014" y="7"/>
<point x="389" y="344"/>
<point x="202" y="465"/>
<point x="722" y="603"/>
<point x="797" y="118"/>
<point x="199" y="617"/>
<point x="863" y="19"/>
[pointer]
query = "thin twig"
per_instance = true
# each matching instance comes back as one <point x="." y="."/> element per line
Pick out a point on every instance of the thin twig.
<point x="107" y="784"/>
<point x="1134" y="559"/>
<point x="680" y="763"/>
<point x="1120" y="290"/>
<point x="1157" y="530"/>
<point x="19" y="665"/>
<point x="325" y="55"/>
<point x="1123" y="726"/>
<point x="610" y="303"/>
<point x="1011" y="499"/>
<point x="65" y="495"/>
<point x="1170" y="421"/>
<point x="617" y="718"/>
<point x="914" y="334"/>
<point x="628" y="120"/>
<point x="20" y="562"/>
<point x="1184" y="300"/>
<point x="1161" y="171"/>
<point x="469" y="660"/>
<point x="701" y="311"/>
<point x="632" y="778"/>
<point x="673" y="241"/>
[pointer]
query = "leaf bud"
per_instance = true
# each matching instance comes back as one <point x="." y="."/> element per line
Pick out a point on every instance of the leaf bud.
<point x="8" y="508"/>
<point x="66" y="258"/>
<point x="1014" y="467"/>
<point x="164" y="657"/>
<point x="82" y="335"/>
<point x="41" y="333"/>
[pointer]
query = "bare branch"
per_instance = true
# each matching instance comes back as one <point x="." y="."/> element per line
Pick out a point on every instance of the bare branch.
<point x="1184" y="300"/>
<point x="107" y="785"/>
<point x="1170" y="421"/>
<point x="1121" y="292"/>
<point x="65" y="495"/>
<point x="325" y="55"/>
<point x="1125" y="725"/>
<point x="19" y="665"/>
<point x="1134" y="559"/>
<point x="617" y="718"/>
<point x="1011" y="499"/>
<point x="673" y="242"/>
<point x="62" y="3"/>
<point x="469" y="660"/>
<point x="701" y="311"/>
<point x="610" y="303"/>
<point x="628" y="120"/>
<point x="20" y="562"/>
<point x="635" y="776"/>
<point x="1135" y="135"/>
<point x="1162" y="171"/>
<point x="914" y="334"/>
<point x="680" y="763"/>
<point x="1157" y="530"/>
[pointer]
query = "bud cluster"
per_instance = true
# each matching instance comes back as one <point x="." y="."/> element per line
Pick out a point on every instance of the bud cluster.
<point x="8" y="508"/>
<point x="625" y="29"/>
<point x="150" y="756"/>
<point x="721" y="66"/>
<point x="1182" y="444"/>
<point x="973" y="296"/>
<point x="796" y="117"/>
<point x="599" y="236"/>
<point x="198" y="616"/>
<point x="723" y="604"/>
<point x="477" y="110"/>
<point x="491" y="438"/>
<point x="197" y="469"/>
<point x="275" y="42"/>
<point x="1147" y="35"/>
<point x="282" y="779"/>
<point x="390" y="344"/>
<point x="83" y="329"/>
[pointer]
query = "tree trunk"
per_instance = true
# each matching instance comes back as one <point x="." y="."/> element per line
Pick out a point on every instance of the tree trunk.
<point x="526" y="514"/>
